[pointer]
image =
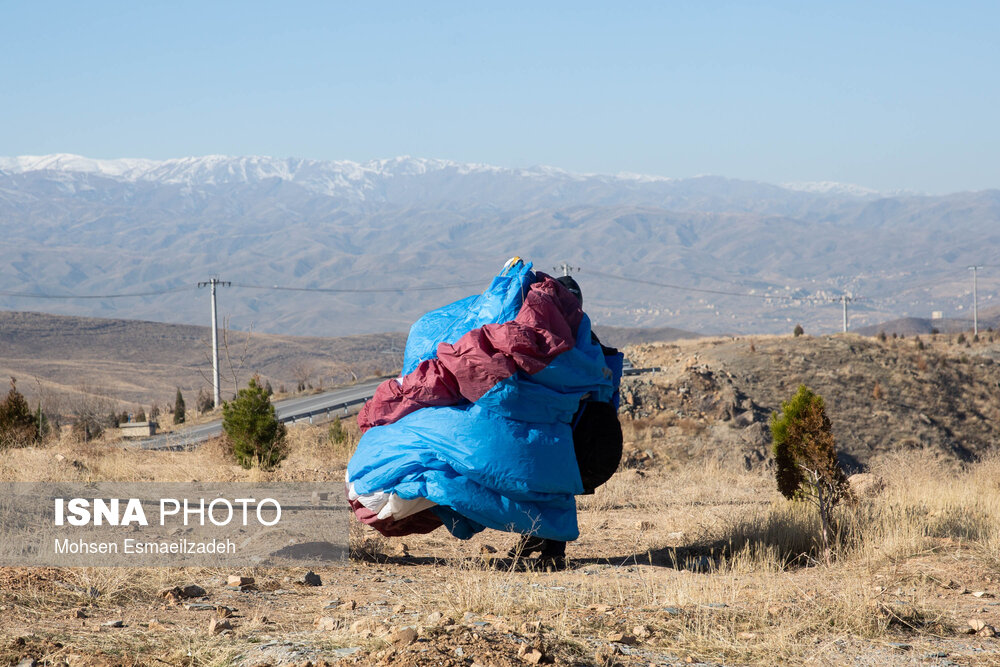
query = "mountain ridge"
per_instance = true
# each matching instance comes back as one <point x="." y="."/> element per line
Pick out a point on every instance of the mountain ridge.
<point x="705" y="254"/>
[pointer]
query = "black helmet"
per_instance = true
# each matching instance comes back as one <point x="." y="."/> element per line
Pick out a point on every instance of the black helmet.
<point x="572" y="286"/>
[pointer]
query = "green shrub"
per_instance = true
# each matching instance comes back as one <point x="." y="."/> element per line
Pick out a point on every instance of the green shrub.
<point x="806" y="466"/>
<point x="255" y="435"/>
<point x="179" y="407"/>
<point x="18" y="427"/>
<point x="337" y="433"/>
<point x="798" y="330"/>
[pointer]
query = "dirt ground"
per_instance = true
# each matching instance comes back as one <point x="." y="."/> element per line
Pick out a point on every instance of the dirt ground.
<point x="682" y="560"/>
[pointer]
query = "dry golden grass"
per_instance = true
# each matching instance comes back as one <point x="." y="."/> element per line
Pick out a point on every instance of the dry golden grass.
<point x="711" y="561"/>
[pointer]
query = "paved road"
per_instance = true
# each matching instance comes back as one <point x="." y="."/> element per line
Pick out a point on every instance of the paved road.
<point x="288" y="410"/>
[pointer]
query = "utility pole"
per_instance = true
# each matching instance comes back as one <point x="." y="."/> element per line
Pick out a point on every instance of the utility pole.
<point x="975" y="300"/>
<point x="213" y="282"/>
<point x="566" y="268"/>
<point x="845" y="299"/>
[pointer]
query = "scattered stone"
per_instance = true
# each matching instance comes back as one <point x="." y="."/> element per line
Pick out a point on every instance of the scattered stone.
<point x="80" y="613"/>
<point x="605" y="655"/>
<point x="400" y="550"/>
<point x="747" y="635"/>
<point x="642" y="631"/>
<point x="982" y="594"/>
<point x="678" y="535"/>
<point x="155" y="625"/>
<point x="362" y="626"/>
<point x="199" y="606"/>
<point x="645" y="525"/>
<point x="433" y="618"/>
<point x="350" y="605"/>
<point x="28" y="662"/>
<point x="326" y="623"/>
<point x="332" y="604"/>
<point x="403" y="636"/>
<point x="600" y="608"/>
<point x="532" y="656"/>
<point x="223" y="611"/>
<point x="60" y="458"/>
<point x="117" y="623"/>
<point x="981" y="628"/>
<point x="459" y="652"/>
<point x="193" y="591"/>
<point x="900" y="646"/>
<point x="219" y="625"/>
<point x="312" y="579"/>
<point x="237" y="580"/>
<point x="399" y="608"/>
<point x="622" y="638"/>
<point x="487" y="549"/>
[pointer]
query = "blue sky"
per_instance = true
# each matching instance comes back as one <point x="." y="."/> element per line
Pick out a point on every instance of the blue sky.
<point x="888" y="95"/>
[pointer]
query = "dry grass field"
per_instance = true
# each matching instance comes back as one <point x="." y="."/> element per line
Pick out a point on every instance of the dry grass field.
<point x="681" y="560"/>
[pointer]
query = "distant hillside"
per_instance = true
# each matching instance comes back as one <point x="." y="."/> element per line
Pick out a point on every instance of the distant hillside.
<point x="622" y="336"/>
<point x="140" y="362"/>
<point x="910" y="326"/>
<point x="381" y="242"/>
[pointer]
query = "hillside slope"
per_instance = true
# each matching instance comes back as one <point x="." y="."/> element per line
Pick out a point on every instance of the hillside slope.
<point x="714" y="396"/>
<point x="134" y="361"/>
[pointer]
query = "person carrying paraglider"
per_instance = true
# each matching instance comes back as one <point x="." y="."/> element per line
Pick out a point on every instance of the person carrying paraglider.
<point x="506" y="409"/>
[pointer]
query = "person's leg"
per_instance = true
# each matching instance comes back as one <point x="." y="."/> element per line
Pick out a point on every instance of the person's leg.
<point x="553" y="555"/>
<point x="525" y="546"/>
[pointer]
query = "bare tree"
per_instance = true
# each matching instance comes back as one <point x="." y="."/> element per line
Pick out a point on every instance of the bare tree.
<point x="233" y="358"/>
<point x="302" y="373"/>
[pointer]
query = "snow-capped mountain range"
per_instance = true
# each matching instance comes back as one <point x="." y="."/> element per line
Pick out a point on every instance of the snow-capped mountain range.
<point x="74" y="226"/>
<point x="357" y="181"/>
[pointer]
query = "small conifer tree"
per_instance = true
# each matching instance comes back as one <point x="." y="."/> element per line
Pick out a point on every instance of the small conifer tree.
<point x="806" y="465"/>
<point x="18" y="427"/>
<point x="337" y="433"/>
<point x="140" y="415"/>
<point x="42" y="420"/>
<point x="798" y="330"/>
<point x="255" y="435"/>
<point x="179" y="407"/>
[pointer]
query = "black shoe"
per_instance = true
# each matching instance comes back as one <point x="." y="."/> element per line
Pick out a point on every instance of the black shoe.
<point x="553" y="556"/>
<point x="526" y="545"/>
<point x="552" y="563"/>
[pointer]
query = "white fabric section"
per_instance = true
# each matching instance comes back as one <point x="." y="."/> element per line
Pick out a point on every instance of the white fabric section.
<point x="389" y="505"/>
<point x="399" y="508"/>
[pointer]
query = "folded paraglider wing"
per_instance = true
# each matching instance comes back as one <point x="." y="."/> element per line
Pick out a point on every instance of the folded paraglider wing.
<point x="477" y="431"/>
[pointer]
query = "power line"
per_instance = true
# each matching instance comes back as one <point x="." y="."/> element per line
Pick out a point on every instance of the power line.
<point x="128" y="295"/>
<point x="330" y="290"/>
<point x="352" y="290"/>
